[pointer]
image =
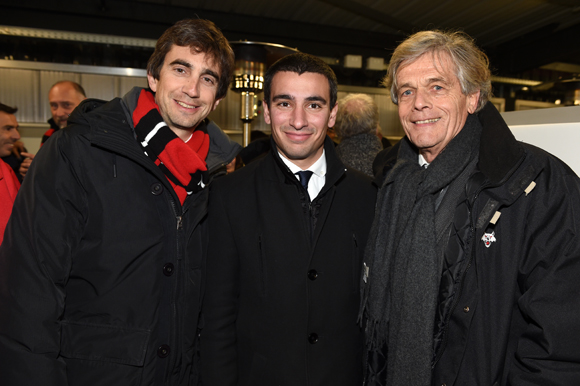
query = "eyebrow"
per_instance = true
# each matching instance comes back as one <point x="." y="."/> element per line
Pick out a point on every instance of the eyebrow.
<point x="314" y="98"/>
<point x="209" y="72"/>
<point x="182" y="63"/>
<point x="206" y="71"/>
<point x="429" y="81"/>
<point x="437" y="80"/>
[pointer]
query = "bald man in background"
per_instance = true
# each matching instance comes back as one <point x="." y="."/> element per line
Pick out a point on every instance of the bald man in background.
<point x="64" y="96"/>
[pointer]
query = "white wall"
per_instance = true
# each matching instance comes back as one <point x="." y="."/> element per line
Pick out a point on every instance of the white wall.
<point x="556" y="130"/>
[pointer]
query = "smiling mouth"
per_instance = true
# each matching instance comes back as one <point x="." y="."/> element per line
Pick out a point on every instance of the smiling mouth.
<point x="296" y="136"/>
<point x="428" y="121"/>
<point x="185" y="105"/>
<point x="433" y="120"/>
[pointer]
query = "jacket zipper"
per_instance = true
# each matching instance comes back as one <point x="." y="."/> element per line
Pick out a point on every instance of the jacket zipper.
<point x="173" y="334"/>
<point x="461" y="283"/>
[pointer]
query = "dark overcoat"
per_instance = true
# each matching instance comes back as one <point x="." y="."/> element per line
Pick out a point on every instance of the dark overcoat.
<point x="281" y="300"/>
<point x="515" y="311"/>
<point x="100" y="269"/>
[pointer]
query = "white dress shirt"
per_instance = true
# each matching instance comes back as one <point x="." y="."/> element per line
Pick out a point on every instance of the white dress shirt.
<point x="422" y="162"/>
<point x="318" y="170"/>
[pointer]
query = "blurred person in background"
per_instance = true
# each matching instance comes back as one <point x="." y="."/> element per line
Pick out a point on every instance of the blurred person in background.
<point x="9" y="183"/>
<point x="64" y="96"/>
<point x="356" y="125"/>
<point x="16" y="157"/>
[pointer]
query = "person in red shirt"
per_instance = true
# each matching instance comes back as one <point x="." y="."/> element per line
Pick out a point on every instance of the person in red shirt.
<point x="9" y="184"/>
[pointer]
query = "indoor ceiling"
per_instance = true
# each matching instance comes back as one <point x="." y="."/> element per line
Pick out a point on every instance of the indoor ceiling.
<point x="524" y="38"/>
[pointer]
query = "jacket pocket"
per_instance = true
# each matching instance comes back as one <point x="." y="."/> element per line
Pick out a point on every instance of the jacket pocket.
<point x="101" y="342"/>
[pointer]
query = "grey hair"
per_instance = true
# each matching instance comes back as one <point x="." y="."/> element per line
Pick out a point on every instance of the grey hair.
<point x="471" y="64"/>
<point x="357" y="114"/>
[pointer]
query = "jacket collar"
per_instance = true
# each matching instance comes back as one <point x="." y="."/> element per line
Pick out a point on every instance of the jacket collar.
<point x="109" y="128"/>
<point x="499" y="151"/>
<point x="112" y="128"/>
<point x="53" y="124"/>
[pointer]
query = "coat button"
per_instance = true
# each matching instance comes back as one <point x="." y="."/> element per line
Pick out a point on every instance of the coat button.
<point x="313" y="338"/>
<point x="168" y="269"/>
<point x="312" y="274"/>
<point x="163" y="351"/>
<point x="157" y="188"/>
<point x="466" y="309"/>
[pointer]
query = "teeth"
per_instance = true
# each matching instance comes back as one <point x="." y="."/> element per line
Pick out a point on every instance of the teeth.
<point x="185" y="105"/>
<point x="428" y="120"/>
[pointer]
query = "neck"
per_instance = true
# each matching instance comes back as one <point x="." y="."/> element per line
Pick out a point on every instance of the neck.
<point x="183" y="134"/>
<point x="304" y="164"/>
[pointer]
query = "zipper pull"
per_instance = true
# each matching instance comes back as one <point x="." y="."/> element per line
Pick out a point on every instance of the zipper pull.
<point x="179" y="222"/>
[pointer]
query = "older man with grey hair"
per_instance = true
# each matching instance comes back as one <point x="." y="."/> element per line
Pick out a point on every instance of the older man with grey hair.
<point x="472" y="265"/>
<point x="357" y="122"/>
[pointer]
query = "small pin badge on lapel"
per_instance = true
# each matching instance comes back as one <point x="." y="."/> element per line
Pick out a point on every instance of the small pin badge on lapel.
<point x="488" y="238"/>
<point x="365" y="272"/>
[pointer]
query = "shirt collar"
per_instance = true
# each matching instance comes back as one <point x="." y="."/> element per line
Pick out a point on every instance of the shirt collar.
<point x="318" y="168"/>
<point x="422" y="161"/>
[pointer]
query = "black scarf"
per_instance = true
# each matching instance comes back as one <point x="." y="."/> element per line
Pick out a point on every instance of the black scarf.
<point x="403" y="256"/>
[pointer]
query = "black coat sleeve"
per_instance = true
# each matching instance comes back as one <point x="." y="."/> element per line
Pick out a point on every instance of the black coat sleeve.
<point x="547" y="349"/>
<point x="35" y="261"/>
<point x="218" y="338"/>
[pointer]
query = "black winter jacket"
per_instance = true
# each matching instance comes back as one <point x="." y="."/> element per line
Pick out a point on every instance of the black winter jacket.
<point x="282" y="297"/>
<point x="100" y="270"/>
<point x="515" y="312"/>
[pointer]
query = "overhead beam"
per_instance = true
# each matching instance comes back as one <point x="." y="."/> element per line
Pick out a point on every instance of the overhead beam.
<point x="372" y="14"/>
<point x="149" y="20"/>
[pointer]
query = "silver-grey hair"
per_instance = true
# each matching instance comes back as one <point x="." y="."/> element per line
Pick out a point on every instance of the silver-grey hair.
<point x="357" y="114"/>
<point x="471" y="64"/>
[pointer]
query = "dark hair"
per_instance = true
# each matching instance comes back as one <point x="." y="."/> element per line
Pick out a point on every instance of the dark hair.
<point x="301" y="63"/>
<point x="78" y="88"/>
<point x="203" y="37"/>
<point x="8" y="109"/>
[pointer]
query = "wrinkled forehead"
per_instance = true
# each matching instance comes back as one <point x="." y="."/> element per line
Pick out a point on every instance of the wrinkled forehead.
<point x="439" y="60"/>
<point x="210" y="58"/>
<point x="64" y="93"/>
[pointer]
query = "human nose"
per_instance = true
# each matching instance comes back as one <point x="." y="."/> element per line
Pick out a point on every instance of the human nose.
<point x="61" y="112"/>
<point x="298" y="118"/>
<point x="422" y="100"/>
<point x="15" y="135"/>
<point x="191" y="88"/>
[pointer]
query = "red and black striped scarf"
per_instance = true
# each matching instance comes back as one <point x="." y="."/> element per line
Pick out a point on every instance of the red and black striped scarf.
<point x="183" y="163"/>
